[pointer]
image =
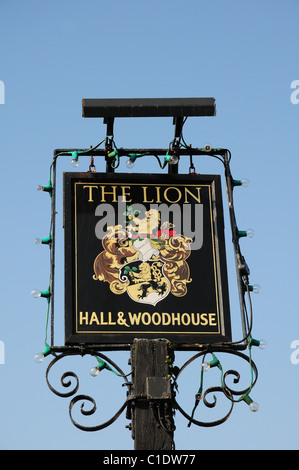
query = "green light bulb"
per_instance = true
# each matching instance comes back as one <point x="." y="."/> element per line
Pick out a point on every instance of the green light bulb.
<point x="40" y="293"/>
<point x="246" y="233"/>
<point x="243" y="182"/>
<point x="42" y="241"/>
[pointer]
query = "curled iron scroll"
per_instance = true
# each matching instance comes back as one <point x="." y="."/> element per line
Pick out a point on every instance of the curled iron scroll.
<point x="227" y="391"/>
<point x="74" y="387"/>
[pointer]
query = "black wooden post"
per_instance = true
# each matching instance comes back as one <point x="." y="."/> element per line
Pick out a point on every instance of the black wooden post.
<point x="152" y="412"/>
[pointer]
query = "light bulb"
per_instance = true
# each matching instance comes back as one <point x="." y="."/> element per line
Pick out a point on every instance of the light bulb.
<point x="75" y="163"/>
<point x="41" y="356"/>
<point x="173" y="160"/>
<point x="254" y="406"/>
<point x="40" y="293"/>
<point x="256" y="288"/>
<point x="36" y="293"/>
<point x="42" y="241"/>
<point x="38" y="358"/>
<point x="94" y="371"/>
<point x="250" y="233"/>
<point x="245" y="182"/>
<point x="205" y="366"/>
<point x="246" y="233"/>
<point x="48" y="188"/>
<point x="208" y="148"/>
<point x="263" y="344"/>
<point x="130" y="163"/>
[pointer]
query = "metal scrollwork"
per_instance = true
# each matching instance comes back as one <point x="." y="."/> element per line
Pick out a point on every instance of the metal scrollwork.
<point x="62" y="380"/>
<point x="233" y="396"/>
<point x="90" y="412"/>
<point x="191" y="419"/>
<point x="83" y="398"/>
<point x="207" y="397"/>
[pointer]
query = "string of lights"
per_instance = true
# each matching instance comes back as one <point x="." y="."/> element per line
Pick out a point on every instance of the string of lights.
<point x="172" y="154"/>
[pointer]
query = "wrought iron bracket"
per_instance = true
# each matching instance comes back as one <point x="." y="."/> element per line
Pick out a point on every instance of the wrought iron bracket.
<point x="159" y="390"/>
<point x="233" y="396"/>
<point x="66" y="382"/>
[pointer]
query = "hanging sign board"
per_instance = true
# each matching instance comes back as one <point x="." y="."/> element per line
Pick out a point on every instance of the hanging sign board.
<point x="144" y="258"/>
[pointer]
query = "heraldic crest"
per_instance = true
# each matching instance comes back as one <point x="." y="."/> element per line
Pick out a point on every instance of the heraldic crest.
<point x="144" y="258"/>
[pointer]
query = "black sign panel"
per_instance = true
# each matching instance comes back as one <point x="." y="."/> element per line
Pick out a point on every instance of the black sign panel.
<point x="144" y="258"/>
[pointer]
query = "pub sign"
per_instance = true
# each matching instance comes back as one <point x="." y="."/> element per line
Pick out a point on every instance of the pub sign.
<point x="144" y="258"/>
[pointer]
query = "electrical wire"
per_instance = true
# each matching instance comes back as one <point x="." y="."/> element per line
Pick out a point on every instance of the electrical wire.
<point x="248" y="316"/>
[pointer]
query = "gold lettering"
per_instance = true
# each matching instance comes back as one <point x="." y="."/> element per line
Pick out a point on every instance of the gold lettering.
<point x="90" y="187"/>
<point x="121" y="320"/>
<point x="166" y="318"/>
<point x="158" y="194"/>
<point x="94" y="318"/>
<point x="212" y="319"/>
<point x="187" y="191"/>
<point x="83" y="318"/>
<point x="102" y="319"/>
<point x="124" y="194"/>
<point x="113" y="192"/>
<point x="146" y="318"/>
<point x="176" y="318"/>
<point x="110" y="322"/>
<point x="144" y="188"/>
<point x="193" y="321"/>
<point x="146" y="321"/>
<point x="185" y="319"/>
<point x="156" y="318"/>
<point x="170" y="194"/>
<point x="134" y="318"/>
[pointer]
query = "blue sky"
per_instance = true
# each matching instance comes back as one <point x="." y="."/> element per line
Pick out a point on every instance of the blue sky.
<point x="53" y="54"/>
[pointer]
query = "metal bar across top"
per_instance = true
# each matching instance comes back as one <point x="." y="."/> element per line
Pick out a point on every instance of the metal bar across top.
<point x="148" y="107"/>
<point x="150" y="151"/>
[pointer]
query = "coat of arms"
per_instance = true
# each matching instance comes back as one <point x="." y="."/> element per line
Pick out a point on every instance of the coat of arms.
<point x="144" y="258"/>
